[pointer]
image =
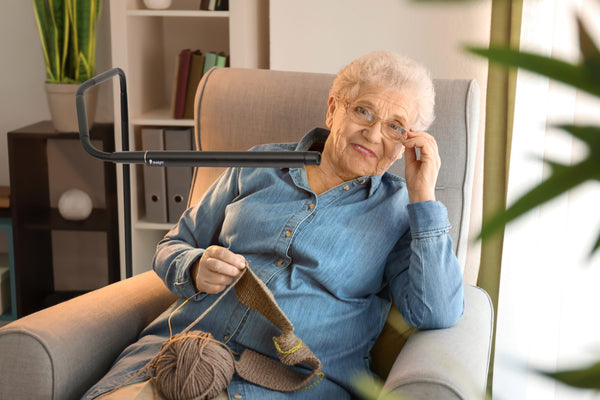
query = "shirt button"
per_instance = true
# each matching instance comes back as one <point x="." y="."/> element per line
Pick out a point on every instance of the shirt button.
<point x="226" y="337"/>
<point x="311" y="206"/>
<point x="279" y="263"/>
<point x="288" y="233"/>
<point x="346" y="187"/>
<point x="362" y="181"/>
<point x="237" y="396"/>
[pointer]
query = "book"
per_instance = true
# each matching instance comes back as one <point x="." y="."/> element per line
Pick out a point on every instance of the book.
<point x="222" y="5"/>
<point x="221" y="60"/>
<point x="210" y="60"/>
<point x="155" y="192"/>
<point x="179" y="179"/>
<point x="214" y="5"/>
<point x="195" y="75"/>
<point x="181" y="82"/>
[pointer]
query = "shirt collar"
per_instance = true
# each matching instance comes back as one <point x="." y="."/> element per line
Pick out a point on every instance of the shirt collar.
<point x="314" y="141"/>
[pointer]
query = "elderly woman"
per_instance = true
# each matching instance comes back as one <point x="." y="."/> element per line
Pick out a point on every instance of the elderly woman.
<point x="334" y="243"/>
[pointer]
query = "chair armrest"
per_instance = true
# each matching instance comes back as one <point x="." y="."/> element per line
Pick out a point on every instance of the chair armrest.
<point x="61" y="351"/>
<point x="448" y="363"/>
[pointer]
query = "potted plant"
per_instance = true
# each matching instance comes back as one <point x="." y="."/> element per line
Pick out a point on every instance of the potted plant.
<point x="68" y="35"/>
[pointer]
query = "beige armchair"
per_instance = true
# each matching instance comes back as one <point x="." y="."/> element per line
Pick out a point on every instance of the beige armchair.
<point x="58" y="353"/>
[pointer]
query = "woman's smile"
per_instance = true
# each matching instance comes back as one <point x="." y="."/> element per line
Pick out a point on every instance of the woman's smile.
<point x="363" y="150"/>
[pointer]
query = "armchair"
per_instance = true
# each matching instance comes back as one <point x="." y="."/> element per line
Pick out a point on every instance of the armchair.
<point x="59" y="352"/>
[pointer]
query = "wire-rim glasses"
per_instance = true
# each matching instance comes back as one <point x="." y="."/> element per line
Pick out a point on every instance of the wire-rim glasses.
<point x="362" y="115"/>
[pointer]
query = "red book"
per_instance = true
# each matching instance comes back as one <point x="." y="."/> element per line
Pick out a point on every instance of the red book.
<point x="183" y="73"/>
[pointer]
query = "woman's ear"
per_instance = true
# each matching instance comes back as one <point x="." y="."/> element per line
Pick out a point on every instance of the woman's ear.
<point x="331" y="104"/>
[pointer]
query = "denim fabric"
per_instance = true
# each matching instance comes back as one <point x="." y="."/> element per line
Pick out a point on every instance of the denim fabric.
<point x="333" y="262"/>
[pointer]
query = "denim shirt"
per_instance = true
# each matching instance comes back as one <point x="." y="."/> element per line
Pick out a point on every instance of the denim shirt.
<point x="333" y="262"/>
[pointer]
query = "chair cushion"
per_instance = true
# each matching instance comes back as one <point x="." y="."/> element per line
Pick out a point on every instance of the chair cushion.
<point x="394" y="335"/>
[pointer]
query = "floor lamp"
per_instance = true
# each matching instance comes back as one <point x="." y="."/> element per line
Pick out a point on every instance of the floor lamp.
<point x="184" y="158"/>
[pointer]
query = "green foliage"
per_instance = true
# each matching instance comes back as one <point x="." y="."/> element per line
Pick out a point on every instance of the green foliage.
<point x="562" y="178"/>
<point x="371" y="388"/>
<point x="68" y="34"/>
<point x="586" y="378"/>
<point x="584" y="76"/>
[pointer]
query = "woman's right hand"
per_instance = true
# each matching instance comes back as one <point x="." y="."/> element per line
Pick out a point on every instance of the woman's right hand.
<point x="216" y="269"/>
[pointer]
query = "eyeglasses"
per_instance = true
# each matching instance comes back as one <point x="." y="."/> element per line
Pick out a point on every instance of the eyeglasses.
<point x="363" y="115"/>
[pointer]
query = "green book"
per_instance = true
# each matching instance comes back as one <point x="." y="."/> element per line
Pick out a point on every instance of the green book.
<point x="221" y="60"/>
<point x="210" y="60"/>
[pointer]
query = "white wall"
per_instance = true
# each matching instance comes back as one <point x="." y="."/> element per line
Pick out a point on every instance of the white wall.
<point x="325" y="35"/>
<point x="22" y="73"/>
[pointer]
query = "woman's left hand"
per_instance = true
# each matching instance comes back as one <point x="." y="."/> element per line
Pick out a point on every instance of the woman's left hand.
<point x="421" y="174"/>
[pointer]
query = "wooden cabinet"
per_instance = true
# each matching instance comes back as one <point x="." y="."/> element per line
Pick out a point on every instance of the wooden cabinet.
<point x="38" y="225"/>
<point x="145" y="45"/>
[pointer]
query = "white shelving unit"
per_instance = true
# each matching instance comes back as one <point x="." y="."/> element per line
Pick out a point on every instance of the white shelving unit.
<point x="145" y="45"/>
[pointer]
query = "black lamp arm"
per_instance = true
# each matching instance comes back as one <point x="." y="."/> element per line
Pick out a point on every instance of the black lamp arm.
<point x="178" y="158"/>
<point x="169" y="158"/>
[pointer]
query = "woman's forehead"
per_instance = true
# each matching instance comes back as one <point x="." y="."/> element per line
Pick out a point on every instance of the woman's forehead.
<point x="390" y="102"/>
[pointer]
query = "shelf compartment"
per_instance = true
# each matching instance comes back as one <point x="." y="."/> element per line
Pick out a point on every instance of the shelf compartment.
<point x="35" y="215"/>
<point x="52" y="220"/>
<point x="151" y="89"/>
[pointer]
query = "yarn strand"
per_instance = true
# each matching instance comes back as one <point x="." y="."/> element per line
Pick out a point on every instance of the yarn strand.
<point x="223" y="294"/>
<point x="208" y="309"/>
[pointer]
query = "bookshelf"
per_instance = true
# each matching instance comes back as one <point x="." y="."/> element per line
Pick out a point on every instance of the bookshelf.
<point x="145" y="44"/>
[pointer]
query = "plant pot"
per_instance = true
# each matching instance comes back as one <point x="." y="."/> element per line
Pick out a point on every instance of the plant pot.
<point x="61" y="101"/>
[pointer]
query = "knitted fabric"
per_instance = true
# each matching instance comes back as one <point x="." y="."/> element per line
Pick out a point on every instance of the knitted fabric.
<point x="262" y="370"/>
<point x="193" y="365"/>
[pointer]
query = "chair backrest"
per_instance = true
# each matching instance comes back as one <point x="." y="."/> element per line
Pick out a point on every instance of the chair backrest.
<point x="239" y="108"/>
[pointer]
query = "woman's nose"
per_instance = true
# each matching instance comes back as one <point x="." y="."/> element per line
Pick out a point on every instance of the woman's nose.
<point x="373" y="133"/>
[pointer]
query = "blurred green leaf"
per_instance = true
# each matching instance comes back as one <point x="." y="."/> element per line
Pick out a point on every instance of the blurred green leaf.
<point x="596" y="245"/>
<point x="562" y="179"/>
<point x="588" y="134"/>
<point x="578" y="76"/>
<point x="585" y="378"/>
<point x="372" y="388"/>
<point x="586" y="43"/>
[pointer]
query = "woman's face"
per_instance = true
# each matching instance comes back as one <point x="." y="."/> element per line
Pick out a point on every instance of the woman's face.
<point x="355" y="150"/>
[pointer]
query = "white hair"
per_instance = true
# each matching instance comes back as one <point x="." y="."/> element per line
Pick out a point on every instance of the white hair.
<point x="388" y="70"/>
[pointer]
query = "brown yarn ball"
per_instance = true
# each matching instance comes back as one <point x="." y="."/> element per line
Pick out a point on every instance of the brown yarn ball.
<point x="192" y="366"/>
